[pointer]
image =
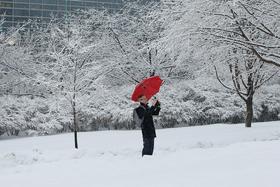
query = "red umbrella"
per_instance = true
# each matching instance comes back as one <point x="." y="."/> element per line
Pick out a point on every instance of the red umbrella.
<point x="148" y="87"/>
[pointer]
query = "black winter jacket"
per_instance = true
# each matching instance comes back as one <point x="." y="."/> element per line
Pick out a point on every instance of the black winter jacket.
<point x="148" y="128"/>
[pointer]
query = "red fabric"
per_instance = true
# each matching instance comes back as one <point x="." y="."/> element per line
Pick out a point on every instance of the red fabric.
<point x="148" y="87"/>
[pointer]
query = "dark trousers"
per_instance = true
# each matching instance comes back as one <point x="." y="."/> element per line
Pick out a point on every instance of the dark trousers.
<point x="148" y="148"/>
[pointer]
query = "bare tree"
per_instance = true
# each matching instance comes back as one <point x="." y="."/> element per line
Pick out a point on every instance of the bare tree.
<point x="133" y="36"/>
<point x="246" y="34"/>
<point x="247" y="75"/>
<point x="253" y="25"/>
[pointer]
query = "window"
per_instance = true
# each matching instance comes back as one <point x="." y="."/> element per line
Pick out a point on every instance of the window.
<point x="36" y="1"/>
<point x="77" y="4"/>
<point x="35" y="13"/>
<point x="6" y="11"/>
<point x="21" y="1"/>
<point x="90" y="4"/>
<point x="116" y="6"/>
<point x="36" y="6"/>
<point x="6" y="4"/>
<point x="9" y="1"/>
<point x="61" y="2"/>
<point x="62" y="8"/>
<point x="49" y="7"/>
<point x="21" y="5"/>
<point x="19" y="12"/>
<point x="73" y="8"/>
<point x="50" y="2"/>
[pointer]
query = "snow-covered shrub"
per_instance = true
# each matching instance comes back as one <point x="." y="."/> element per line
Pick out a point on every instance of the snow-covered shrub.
<point x="22" y="114"/>
<point x="184" y="103"/>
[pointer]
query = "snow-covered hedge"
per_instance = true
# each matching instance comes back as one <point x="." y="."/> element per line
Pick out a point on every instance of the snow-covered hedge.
<point x="184" y="103"/>
<point x="26" y="116"/>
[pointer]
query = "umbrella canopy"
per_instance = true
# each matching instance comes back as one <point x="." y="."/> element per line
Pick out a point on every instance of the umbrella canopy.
<point x="147" y="87"/>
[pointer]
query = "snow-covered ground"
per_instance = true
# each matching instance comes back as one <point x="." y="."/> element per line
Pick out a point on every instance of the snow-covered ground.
<point x="203" y="156"/>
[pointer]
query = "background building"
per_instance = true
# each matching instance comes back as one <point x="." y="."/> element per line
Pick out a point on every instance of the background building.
<point x="18" y="11"/>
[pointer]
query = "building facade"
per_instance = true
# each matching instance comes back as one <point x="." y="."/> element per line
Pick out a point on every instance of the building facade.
<point x="16" y="12"/>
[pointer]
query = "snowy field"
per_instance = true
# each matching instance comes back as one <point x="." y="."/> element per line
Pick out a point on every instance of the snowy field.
<point x="204" y="156"/>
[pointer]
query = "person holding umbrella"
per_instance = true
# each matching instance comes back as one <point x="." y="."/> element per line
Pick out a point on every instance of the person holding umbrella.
<point x="143" y="114"/>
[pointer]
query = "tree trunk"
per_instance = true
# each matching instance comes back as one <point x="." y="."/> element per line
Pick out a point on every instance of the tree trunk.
<point x="249" y="112"/>
<point x="74" y="108"/>
<point x="75" y="126"/>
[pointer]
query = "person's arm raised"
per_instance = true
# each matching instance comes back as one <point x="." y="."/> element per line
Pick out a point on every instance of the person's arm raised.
<point x="155" y="109"/>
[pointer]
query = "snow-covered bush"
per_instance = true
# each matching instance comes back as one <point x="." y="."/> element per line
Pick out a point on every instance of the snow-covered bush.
<point x="184" y="103"/>
<point x="19" y="115"/>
